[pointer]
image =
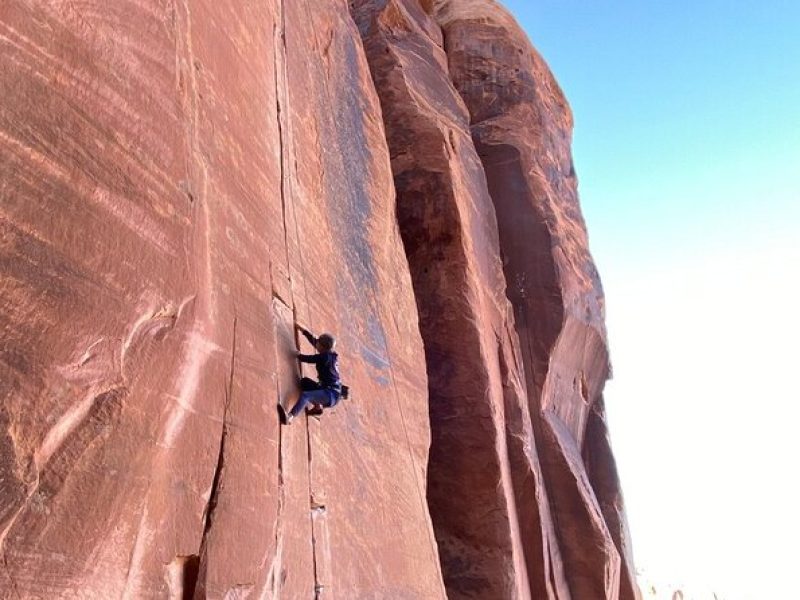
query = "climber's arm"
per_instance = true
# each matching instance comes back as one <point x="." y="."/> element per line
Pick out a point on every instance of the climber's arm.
<point x="307" y="358"/>
<point x="308" y="335"/>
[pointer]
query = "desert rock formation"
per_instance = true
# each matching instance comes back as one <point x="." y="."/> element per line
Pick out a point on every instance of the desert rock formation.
<point x="180" y="183"/>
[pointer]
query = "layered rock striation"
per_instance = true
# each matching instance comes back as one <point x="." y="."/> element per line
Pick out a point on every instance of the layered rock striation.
<point x="181" y="183"/>
<point x="521" y="125"/>
<point x="482" y="447"/>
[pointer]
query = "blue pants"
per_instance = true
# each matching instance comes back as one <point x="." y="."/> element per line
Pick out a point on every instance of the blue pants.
<point x="321" y="397"/>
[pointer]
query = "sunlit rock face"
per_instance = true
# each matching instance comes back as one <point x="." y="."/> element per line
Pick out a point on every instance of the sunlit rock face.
<point x="182" y="182"/>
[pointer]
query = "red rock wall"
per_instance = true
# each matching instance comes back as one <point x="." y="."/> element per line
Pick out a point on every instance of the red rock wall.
<point x="491" y="546"/>
<point x="181" y="182"/>
<point x="521" y="125"/>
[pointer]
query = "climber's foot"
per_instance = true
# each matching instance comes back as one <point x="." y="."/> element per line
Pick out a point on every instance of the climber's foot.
<point x="313" y="412"/>
<point x="286" y="417"/>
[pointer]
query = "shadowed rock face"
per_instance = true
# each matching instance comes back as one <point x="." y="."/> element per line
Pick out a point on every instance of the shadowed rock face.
<point x="484" y="475"/>
<point x="182" y="182"/>
<point x="521" y="125"/>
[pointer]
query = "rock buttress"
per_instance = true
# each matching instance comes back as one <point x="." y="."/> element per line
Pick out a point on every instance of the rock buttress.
<point x="179" y="183"/>
<point x="484" y="475"/>
<point x="521" y="125"/>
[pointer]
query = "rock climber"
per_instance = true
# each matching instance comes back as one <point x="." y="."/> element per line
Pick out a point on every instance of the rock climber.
<point x="326" y="392"/>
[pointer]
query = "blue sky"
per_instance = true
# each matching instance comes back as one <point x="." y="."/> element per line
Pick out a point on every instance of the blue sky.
<point x="687" y="146"/>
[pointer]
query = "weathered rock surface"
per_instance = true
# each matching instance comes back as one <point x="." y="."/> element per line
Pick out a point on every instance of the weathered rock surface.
<point x="491" y="546"/>
<point x="522" y="125"/>
<point x="179" y="183"/>
<point x="182" y="182"/>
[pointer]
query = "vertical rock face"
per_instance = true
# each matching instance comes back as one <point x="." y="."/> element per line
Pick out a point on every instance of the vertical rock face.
<point x="181" y="183"/>
<point x="484" y="475"/>
<point x="521" y="125"/>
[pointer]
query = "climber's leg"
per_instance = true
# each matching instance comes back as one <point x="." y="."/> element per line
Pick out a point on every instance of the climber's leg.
<point x="317" y="396"/>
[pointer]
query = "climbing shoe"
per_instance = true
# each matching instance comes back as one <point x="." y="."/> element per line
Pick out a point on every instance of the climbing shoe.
<point x="313" y="412"/>
<point x="286" y="417"/>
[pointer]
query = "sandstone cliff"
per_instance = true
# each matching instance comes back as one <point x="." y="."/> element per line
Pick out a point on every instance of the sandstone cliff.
<point x="181" y="182"/>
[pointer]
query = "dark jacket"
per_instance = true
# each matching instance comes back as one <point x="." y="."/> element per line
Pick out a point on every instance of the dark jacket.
<point x="327" y="369"/>
<point x="327" y="364"/>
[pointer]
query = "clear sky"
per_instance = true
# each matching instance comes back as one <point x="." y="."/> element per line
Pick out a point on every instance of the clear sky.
<point x="687" y="146"/>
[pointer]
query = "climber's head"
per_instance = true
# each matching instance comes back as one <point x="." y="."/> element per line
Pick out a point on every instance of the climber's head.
<point x="325" y="343"/>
